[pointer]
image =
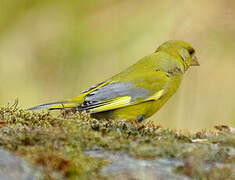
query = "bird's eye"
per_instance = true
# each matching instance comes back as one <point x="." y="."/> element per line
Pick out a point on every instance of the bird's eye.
<point x="191" y="51"/>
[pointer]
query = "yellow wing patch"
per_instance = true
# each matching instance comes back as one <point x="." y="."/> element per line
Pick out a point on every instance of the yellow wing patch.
<point x="156" y="96"/>
<point x="112" y="104"/>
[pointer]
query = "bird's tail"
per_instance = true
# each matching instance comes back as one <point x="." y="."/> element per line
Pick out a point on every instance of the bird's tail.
<point x="56" y="105"/>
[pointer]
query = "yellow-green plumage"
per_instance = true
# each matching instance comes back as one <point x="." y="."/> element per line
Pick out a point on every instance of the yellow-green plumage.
<point x="140" y="90"/>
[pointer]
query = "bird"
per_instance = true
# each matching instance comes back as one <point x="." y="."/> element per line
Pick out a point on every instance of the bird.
<point x="137" y="92"/>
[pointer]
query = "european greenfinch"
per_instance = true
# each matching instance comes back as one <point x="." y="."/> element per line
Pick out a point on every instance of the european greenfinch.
<point x="139" y="91"/>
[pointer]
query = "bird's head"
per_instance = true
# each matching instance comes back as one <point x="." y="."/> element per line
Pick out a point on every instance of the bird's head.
<point x="182" y="49"/>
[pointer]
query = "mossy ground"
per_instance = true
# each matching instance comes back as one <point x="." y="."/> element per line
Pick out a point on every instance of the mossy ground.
<point x="59" y="143"/>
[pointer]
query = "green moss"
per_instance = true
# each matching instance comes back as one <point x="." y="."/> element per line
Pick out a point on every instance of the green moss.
<point x="52" y="142"/>
<point x="59" y="143"/>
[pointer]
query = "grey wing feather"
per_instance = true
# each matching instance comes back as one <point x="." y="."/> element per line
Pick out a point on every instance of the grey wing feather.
<point x="111" y="91"/>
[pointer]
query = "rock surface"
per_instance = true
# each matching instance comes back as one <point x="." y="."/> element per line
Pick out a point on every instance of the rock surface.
<point x="123" y="166"/>
<point x="14" y="168"/>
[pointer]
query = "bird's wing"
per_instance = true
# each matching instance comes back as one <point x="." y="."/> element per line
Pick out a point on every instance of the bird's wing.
<point x="111" y="95"/>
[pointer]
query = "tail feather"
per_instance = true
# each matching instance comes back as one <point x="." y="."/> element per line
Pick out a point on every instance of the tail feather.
<point x="56" y="105"/>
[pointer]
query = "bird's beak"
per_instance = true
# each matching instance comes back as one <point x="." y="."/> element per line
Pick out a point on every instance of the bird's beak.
<point x="194" y="61"/>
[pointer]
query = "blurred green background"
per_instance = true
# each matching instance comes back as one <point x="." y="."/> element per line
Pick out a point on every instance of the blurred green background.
<point x="52" y="50"/>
